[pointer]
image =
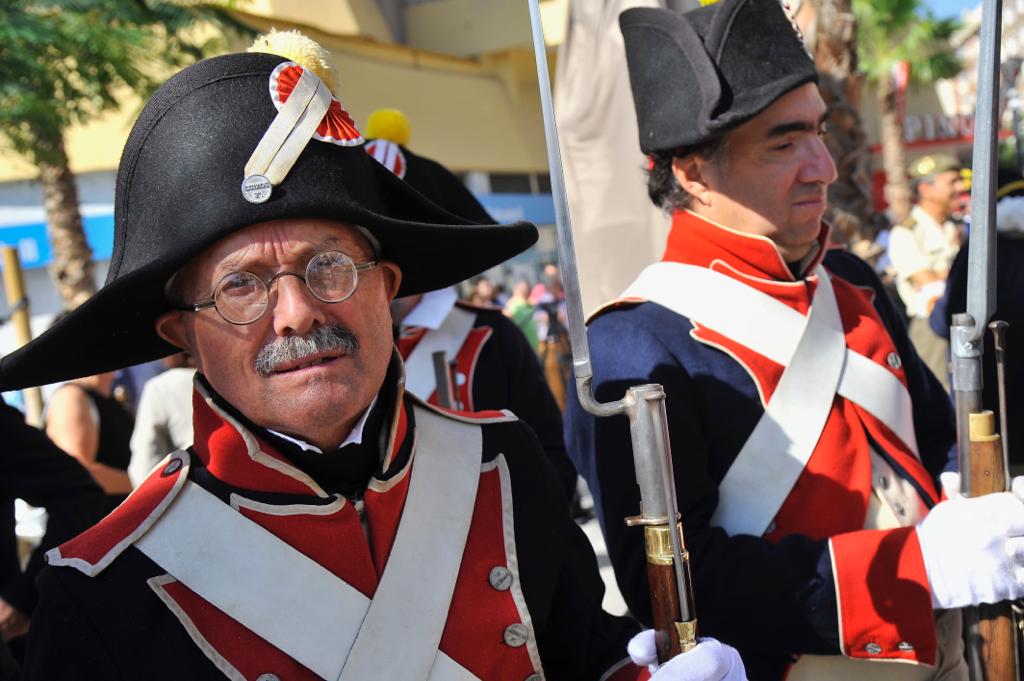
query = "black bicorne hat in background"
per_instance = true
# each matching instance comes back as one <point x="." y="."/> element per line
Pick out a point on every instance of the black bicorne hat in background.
<point x="179" y="191"/>
<point x="1009" y="183"/>
<point x="698" y="74"/>
<point x="429" y="178"/>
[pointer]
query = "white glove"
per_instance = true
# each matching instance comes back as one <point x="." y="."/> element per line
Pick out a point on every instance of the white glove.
<point x="950" y="483"/>
<point x="973" y="548"/>
<point x="709" y="661"/>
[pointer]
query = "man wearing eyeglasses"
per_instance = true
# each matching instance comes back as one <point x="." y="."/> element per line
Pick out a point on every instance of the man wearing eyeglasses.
<point x="324" y="524"/>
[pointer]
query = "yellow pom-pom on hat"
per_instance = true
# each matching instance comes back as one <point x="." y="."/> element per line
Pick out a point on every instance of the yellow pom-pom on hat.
<point x="967" y="177"/>
<point x="389" y="124"/>
<point x="302" y="50"/>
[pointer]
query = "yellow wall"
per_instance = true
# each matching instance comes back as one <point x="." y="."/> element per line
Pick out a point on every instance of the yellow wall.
<point x="479" y="113"/>
<point x="96" y="146"/>
<point x="478" y="117"/>
<point x="474" y="27"/>
<point x="348" y="18"/>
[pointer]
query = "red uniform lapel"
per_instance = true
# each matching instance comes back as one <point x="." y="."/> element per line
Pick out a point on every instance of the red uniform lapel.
<point x="465" y="361"/>
<point x="838" y="475"/>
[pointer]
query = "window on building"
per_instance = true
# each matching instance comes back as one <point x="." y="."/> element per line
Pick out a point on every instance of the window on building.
<point x="511" y="183"/>
<point x="520" y="183"/>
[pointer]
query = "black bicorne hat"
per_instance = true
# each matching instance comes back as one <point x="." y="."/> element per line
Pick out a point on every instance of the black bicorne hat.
<point x="1009" y="182"/>
<point x="699" y="74"/>
<point x="429" y="178"/>
<point x="179" y="191"/>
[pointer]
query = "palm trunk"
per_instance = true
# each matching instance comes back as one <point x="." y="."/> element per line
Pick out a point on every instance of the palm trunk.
<point x="72" y="267"/>
<point x="830" y="31"/>
<point x="894" y="156"/>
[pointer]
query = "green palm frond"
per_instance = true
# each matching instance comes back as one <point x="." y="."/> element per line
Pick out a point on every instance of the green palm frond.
<point x="890" y="31"/>
<point x="65" y="61"/>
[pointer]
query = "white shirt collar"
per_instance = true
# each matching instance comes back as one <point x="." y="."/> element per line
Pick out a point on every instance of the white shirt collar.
<point x="354" y="437"/>
<point x="432" y="309"/>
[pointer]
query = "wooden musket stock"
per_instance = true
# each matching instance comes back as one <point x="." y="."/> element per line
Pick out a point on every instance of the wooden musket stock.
<point x="996" y="638"/>
<point x="664" y="609"/>
<point x="675" y="631"/>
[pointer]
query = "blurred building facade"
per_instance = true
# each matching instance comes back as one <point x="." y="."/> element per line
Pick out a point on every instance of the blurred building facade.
<point x="462" y="71"/>
<point x="940" y="117"/>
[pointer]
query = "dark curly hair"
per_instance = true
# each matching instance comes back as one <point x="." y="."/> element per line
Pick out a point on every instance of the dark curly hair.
<point x="662" y="185"/>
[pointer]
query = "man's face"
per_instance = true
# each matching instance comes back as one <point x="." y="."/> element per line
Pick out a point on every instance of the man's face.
<point x="318" y="402"/>
<point x="771" y="176"/>
<point x="942" y="191"/>
<point x="485" y="288"/>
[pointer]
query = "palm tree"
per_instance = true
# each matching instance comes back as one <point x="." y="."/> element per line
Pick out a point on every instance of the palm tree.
<point x="830" y="33"/>
<point x="62" y="62"/>
<point x="890" y="32"/>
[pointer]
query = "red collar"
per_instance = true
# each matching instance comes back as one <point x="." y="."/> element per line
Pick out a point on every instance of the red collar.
<point x="695" y="240"/>
<point x="238" y="457"/>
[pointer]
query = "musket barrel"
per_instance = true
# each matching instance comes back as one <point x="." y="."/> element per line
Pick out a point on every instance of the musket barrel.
<point x="999" y="329"/>
<point x="443" y="380"/>
<point x="981" y="295"/>
<point x="967" y="384"/>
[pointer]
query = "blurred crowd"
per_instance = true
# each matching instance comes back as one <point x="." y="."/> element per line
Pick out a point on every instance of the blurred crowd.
<point x="538" y="310"/>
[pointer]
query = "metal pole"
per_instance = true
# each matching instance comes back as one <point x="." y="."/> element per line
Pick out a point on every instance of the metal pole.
<point x="14" y="282"/>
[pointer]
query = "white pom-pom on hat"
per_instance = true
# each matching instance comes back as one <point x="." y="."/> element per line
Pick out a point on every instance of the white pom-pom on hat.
<point x="1010" y="214"/>
<point x="302" y="50"/>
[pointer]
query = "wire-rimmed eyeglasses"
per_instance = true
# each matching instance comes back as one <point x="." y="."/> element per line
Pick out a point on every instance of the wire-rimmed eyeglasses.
<point x="242" y="297"/>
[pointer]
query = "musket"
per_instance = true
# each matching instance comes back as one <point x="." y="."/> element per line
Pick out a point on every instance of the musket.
<point x="990" y="635"/>
<point x="1018" y="143"/>
<point x="668" y="568"/>
<point x="443" y="371"/>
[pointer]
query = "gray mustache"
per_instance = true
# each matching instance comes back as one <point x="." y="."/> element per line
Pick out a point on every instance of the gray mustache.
<point x="322" y="339"/>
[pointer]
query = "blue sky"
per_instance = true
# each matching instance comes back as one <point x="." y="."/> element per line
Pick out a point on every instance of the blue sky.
<point x="950" y="8"/>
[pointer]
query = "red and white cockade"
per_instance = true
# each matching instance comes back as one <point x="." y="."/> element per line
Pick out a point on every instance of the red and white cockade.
<point x="337" y="127"/>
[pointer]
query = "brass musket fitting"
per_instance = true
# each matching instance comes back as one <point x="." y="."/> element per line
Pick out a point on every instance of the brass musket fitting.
<point x="659" y="544"/>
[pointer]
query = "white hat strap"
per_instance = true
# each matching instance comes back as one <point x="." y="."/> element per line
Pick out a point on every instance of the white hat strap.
<point x="286" y="137"/>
